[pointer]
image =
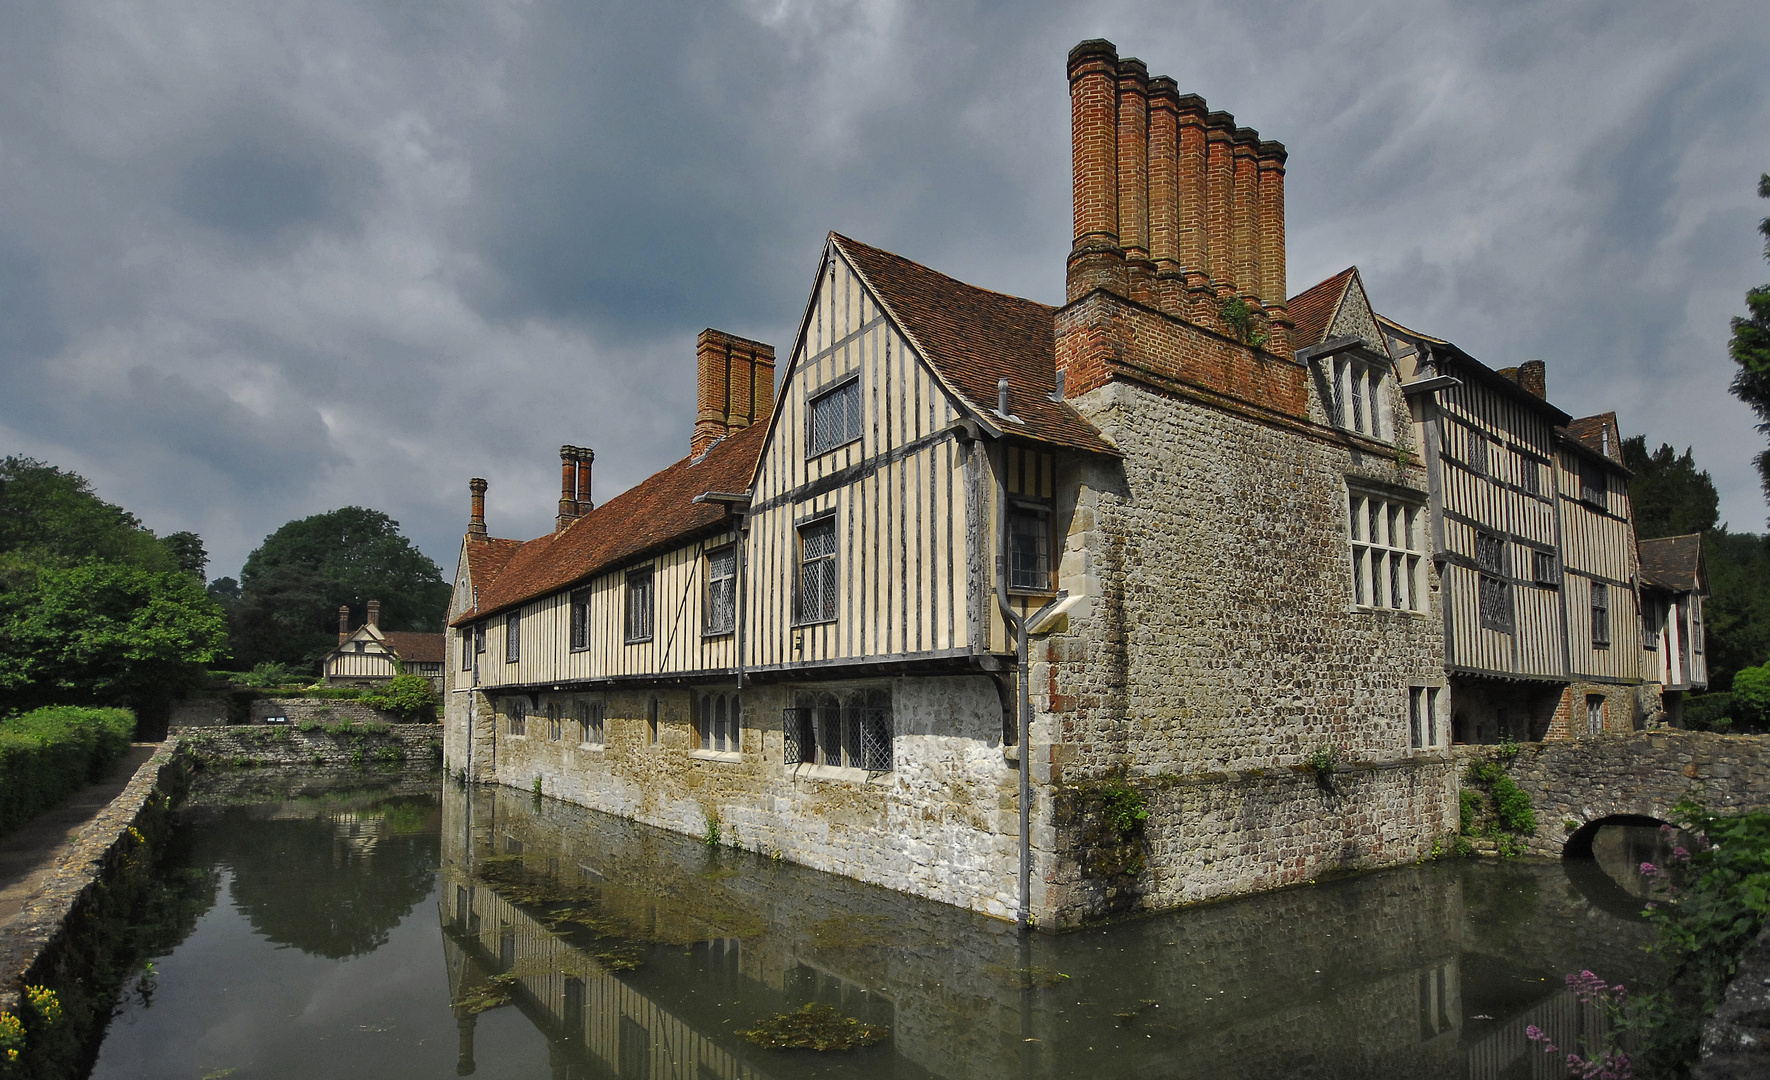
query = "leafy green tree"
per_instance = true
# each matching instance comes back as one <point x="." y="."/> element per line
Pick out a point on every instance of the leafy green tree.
<point x="1670" y="495"/>
<point x="52" y="517"/>
<point x="186" y="549"/>
<point x="1751" y="348"/>
<point x="1751" y="695"/>
<point x="292" y="586"/>
<point x="103" y="633"/>
<point x="94" y="608"/>
<point x="1736" y="614"/>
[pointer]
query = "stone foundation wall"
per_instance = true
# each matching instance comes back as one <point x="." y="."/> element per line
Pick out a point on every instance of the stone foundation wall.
<point x="943" y="824"/>
<point x="278" y="746"/>
<point x="321" y="711"/>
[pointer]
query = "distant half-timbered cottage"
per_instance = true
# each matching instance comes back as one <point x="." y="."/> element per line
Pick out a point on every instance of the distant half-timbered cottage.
<point x="369" y="655"/>
<point x="1673" y="584"/>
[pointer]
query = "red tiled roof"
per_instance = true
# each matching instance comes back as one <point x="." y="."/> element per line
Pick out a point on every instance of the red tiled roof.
<point x="1312" y="310"/>
<point x="485" y="558"/>
<point x="1588" y="431"/>
<point x="973" y="338"/>
<point x="416" y="647"/>
<point x="1673" y="562"/>
<point x="658" y="511"/>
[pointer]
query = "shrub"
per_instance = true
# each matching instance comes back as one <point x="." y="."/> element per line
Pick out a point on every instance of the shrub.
<point x="1751" y="695"/>
<point x="271" y="674"/>
<point x="409" y="697"/>
<point x="50" y="753"/>
<point x="1709" y="712"/>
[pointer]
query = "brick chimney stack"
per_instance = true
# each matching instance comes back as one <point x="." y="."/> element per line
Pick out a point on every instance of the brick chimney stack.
<point x="585" y="457"/>
<point x="734" y="386"/>
<point x="1175" y="207"/>
<point x="374" y="618"/>
<point x="343" y="622"/>
<point x="476" y="515"/>
<point x="1533" y="375"/>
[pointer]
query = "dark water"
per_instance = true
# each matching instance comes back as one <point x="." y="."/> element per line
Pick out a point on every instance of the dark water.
<point x="378" y="936"/>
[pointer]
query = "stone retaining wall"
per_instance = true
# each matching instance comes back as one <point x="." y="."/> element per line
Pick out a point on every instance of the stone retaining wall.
<point x="32" y="950"/>
<point x="287" y="746"/>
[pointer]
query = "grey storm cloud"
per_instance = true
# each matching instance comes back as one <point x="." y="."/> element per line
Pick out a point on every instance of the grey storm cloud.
<point x="261" y="260"/>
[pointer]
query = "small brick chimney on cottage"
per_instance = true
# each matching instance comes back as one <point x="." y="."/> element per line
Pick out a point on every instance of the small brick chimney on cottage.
<point x="1176" y="208"/>
<point x="734" y="386"/>
<point x="476" y="512"/>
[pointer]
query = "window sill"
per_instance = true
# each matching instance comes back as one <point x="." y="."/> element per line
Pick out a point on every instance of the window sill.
<point x="815" y="622"/>
<point x="838" y="772"/>
<point x="707" y="635"/>
<point x="579" y="648"/>
<point x="1366" y="609"/>
<point x="716" y="755"/>
<point x="813" y="455"/>
<point x="592" y="747"/>
<point x="637" y="641"/>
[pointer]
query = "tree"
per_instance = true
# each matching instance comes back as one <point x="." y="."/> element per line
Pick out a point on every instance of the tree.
<point x="292" y="586"/>
<point x="1670" y="495"/>
<point x="1751" y="349"/>
<point x="52" y="517"/>
<point x="94" y="608"/>
<point x="1736" y="613"/>
<point x="103" y="633"/>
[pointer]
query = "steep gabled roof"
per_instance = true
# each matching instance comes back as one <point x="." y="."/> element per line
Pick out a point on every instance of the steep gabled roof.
<point x="1599" y="434"/>
<point x="1673" y="562"/>
<point x="656" y="513"/>
<point x="1312" y="310"/>
<point x="973" y="338"/>
<point x="415" y="647"/>
<point x="1452" y="360"/>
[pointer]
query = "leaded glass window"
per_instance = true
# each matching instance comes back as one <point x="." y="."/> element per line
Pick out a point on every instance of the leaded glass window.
<point x="835" y="417"/>
<point x="817" y="571"/>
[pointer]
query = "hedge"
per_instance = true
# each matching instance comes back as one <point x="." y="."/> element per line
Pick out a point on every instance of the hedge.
<point x="50" y="753"/>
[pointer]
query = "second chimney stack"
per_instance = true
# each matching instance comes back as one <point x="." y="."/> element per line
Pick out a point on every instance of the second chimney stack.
<point x="734" y="386"/>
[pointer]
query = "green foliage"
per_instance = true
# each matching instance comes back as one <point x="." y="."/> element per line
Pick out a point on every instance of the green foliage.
<point x="94" y="609"/>
<point x="1751" y="696"/>
<point x="49" y="754"/>
<point x="1736" y="613"/>
<point x="292" y="586"/>
<point x="1668" y="493"/>
<point x="1714" y="902"/>
<point x="713" y="831"/>
<point x="1491" y="806"/>
<point x="271" y="673"/>
<point x="1322" y="760"/>
<point x="1750" y="348"/>
<point x="1125" y="807"/>
<point x="1709" y="712"/>
<point x="103" y="633"/>
<point x="409" y="697"/>
<point x="1239" y="318"/>
<point x="815" y="1026"/>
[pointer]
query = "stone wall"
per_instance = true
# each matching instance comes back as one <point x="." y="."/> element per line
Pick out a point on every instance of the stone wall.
<point x="1219" y="647"/>
<point x="320" y="711"/>
<point x="943" y="824"/>
<point x="1577" y="782"/>
<point x="101" y="868"/>
<point x="287" y="746"/>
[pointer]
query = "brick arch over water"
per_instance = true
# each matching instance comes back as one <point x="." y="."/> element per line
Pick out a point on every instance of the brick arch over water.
<point x="1574" y="784"/>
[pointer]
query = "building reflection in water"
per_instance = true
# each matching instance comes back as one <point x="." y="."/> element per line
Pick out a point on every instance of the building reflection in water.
<point x="640" y="953"/>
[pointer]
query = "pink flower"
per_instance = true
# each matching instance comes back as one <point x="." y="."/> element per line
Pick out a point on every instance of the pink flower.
<point x="1649" y="870"/>
<point x="1680" y="854"/>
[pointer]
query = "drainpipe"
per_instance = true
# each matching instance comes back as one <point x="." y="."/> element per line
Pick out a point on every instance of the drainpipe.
<point x="1018" y="627"/>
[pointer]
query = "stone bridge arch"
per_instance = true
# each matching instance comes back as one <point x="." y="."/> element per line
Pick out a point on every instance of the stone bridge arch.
<point x="1575" y="785"/>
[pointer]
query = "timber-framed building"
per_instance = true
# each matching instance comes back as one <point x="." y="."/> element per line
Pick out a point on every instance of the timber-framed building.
<point x="1212" y="508"/>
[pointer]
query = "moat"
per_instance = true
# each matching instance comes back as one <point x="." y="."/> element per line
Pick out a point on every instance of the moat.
<point x="487" y="933"/>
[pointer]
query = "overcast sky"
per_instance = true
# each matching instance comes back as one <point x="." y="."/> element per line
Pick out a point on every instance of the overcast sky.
<point x="259" y="260"/>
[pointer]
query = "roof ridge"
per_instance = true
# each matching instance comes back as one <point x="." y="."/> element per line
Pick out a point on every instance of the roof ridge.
<point x="925" y="268"/>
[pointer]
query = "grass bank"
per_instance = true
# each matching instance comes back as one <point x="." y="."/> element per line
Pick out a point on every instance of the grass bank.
<point x="50" y="753"/>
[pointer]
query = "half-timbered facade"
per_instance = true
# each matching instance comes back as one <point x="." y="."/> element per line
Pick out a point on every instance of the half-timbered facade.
<point x="369" y="655"/>
<point x="1673" y="584"/>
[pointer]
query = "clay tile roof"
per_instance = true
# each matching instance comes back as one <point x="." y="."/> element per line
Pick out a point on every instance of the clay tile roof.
<point x="416" y="648"/>
<point x="655" y="513"/>
<point x="1588" y="431"/>
<point x="973" y="338"/>
<point x="1673" y="562"/>
<point x="1312" y="310"/>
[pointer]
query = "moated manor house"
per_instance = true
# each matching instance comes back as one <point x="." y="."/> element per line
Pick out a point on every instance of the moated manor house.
<point x="1241" y="529"/>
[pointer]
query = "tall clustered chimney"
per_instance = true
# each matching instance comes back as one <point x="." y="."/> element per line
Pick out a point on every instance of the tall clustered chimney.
<point x="1175" y="207"/>
<point x="343" y="622"/>
<point x="585" y="502"/>
<point x="1533" y="375"/>
<point x="734" y="385"/>
<point x="568" y="489"/>
<point x="476" y="516"/>
<point x="374" y="618"/>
